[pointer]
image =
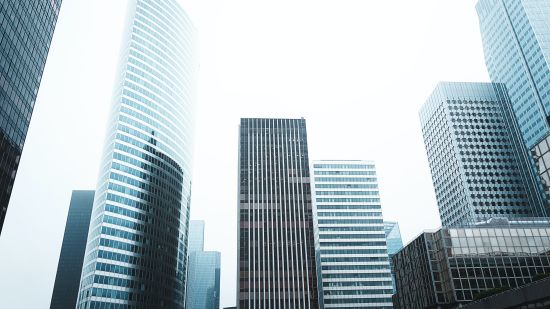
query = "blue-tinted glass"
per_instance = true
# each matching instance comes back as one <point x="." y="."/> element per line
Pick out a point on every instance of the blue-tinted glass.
<point x="22" y="61"/>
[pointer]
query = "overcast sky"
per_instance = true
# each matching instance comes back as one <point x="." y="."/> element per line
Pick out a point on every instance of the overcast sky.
<point x="357" y="70"/>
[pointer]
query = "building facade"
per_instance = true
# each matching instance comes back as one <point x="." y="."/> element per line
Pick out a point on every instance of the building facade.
<point x="136" y="255"/>
<point x="541" y="155"/>
<point x="203" y="279"/>
<point x="276" y="253"/>
<point x="196" y="236"/>
<point x="353" y="256"/>
<point x="22" y="60"/>
<point x="515" y="36"/>
<point x="69" y="268"/>
<point x="203" y="288"/>
<point x="479" y="164"/>
<point x="452" y="266"/>
<point x="394" y="242"/>
<point x="393" y="237"/>
<point x="533" y="295"/>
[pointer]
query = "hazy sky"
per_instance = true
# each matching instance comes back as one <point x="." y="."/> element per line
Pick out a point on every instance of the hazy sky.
<point x="357" y="70"/>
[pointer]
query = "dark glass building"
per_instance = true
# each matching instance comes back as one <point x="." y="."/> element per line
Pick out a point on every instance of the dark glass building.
<point x="275" y="235"/>
<point x="533" y="295"/>
<point x="453" y="266"/>
<point x="26" y="30"/>
<point x="69" y="268"/>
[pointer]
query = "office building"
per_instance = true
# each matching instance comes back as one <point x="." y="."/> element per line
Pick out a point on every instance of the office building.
<point x="203" y="288"/>
<point x="393" y="237"/>
<point x="203" y="279"/>
<point x="136" y="256"/>
<point x="355" y="269"/>
<point x="276" y="256"/>
<point x="196" y="236"/>
<point x="541" y="155"/>
<point x="515" y="35"/>
<point x="26" y="31"/>
<point x="453" y="266"/>
<point x="532" y="295"/>
<point x="69" y="268"/>
<point x="394" y="242"/>
<point x="480" y="167"/>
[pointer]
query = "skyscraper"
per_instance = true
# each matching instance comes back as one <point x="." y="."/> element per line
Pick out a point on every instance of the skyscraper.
<point x="196" y="236"/>
<point x="393" y="237"/>
<point x="69" y="268"/>
<point x="136" y="254"/>
<point x="275" y="235"/>
<point x="394" y="242"/>
<point x="480" y="167"/>
<point x="26" y="31"/>
<point x="515" y="35"/>
<point x="355" y="269"/>
<point x="203" y="280"/>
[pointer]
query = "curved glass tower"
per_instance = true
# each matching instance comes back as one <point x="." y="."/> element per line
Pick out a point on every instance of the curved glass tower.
<point x="136" y="250"/>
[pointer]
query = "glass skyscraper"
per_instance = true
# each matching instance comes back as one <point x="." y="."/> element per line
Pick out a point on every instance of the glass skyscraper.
<point x="479" y="164"/>
<point x="196" y="236"/>
<point x="394" y="242"/>
<point x="69" y="268"/>
<point x="26" y="31"/>
<point x="136" y="253"/>
<point x="355" y="269"/>
<point x="203" y="280"/>
<point x="276" y="257"/>
<point x="393" y="237"/>
<point x="516" y="36"/>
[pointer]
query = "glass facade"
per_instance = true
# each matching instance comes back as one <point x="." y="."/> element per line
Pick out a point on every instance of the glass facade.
<point x="541" y="154"/>
<point x="479" y="164"/>
<point x="394" y="242"/>
<point x="393" y="237"/>
<point x="516" y="43"/>
<point x="69" y="268"/>
<point x="136" y="255"/>
<point x="196" y="236"/>
<point x="453" y="265"/>
<point x="26" y="31"/>
<point x="275" y="235"/>
<point x="352" y="252"/>
<point x="533" y="295"/>
<point x="203" y="279"/>
<point x="203" y="288"/>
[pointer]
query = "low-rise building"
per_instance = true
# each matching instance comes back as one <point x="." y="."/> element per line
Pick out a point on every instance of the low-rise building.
<point x="452" y="266"/>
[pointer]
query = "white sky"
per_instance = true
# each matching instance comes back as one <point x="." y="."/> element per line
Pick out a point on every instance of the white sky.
<point x="357" y="70"/>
